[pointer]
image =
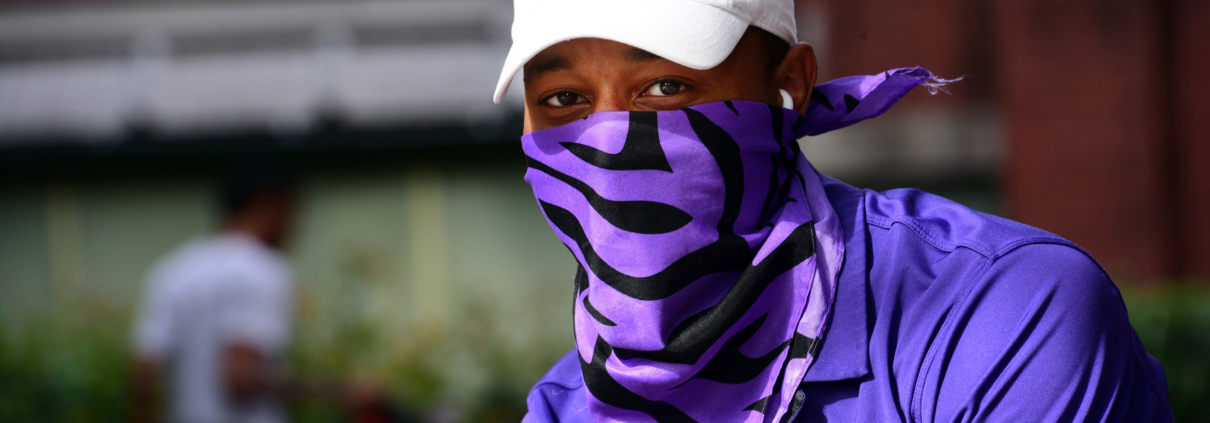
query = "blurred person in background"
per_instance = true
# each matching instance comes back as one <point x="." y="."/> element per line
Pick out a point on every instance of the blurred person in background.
<point x="723" y="279"/>
<point x="217" y="316"/>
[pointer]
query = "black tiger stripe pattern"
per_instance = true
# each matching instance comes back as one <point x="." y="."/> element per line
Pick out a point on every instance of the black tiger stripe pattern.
<point x="759" y="307"/>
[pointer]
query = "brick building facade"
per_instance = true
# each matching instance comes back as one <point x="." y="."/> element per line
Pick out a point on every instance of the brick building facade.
<point x="1105" y="114"/>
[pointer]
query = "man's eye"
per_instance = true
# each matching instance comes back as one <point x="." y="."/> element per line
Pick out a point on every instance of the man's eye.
<point x="564" y="99"/>
<point x="665" y="88"/>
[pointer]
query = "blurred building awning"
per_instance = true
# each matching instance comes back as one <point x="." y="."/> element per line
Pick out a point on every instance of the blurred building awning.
<point x="95" y="74"/>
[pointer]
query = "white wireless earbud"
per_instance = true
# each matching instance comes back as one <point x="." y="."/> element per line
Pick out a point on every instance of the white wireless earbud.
<point x="787" y="102"/>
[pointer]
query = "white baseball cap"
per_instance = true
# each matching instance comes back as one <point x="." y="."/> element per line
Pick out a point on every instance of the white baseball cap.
<point x="697" y="34"/>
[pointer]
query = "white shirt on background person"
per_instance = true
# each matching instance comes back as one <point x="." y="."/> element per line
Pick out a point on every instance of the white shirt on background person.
<point x="208" y="295"/>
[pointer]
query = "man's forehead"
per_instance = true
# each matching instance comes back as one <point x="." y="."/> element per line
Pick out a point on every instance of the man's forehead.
<point x="552" y="60"/>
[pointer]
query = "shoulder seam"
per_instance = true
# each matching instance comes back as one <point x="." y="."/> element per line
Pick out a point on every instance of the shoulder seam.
<point x="939" y="244"/>
<point x="1052" y="240"/>
<point x="915" y="227"/>
<point x="569" y="385"/>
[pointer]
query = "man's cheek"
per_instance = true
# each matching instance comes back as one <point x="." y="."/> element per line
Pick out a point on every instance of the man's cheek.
<point x="527" y="125"/>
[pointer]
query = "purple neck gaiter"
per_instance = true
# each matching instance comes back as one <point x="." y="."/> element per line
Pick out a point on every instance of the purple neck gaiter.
<point x="708" y="252"/>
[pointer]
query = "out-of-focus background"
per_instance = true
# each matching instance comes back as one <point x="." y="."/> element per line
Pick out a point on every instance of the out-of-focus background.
<point x="420" y="256"/>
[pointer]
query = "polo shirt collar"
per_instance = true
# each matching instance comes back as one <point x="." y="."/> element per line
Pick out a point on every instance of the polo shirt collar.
<point x="845" y="352"/>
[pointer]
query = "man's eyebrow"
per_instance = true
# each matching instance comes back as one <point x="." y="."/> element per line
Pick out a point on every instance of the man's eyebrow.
<point x="542" y="65"/>
<point x="638" y="55"/>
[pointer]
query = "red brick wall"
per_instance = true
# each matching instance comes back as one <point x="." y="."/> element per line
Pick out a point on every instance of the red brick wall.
<point x="1191" y="51"/>
<point x="1104" y="104"/>
<point x="1082" y="90"/>
<point x="948" y="37"/>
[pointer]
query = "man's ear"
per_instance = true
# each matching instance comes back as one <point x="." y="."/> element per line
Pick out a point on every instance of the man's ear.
<point x="797" y="75"/>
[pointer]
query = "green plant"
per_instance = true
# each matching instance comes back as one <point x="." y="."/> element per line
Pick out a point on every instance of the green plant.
<point x="72" y="363"/>
<point x="1173" y="322"/>
<point x="65" y="367"/>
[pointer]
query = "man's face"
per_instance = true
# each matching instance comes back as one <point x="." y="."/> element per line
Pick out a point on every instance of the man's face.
<point x="576" y="78"/>
<point x="273" y="216"/>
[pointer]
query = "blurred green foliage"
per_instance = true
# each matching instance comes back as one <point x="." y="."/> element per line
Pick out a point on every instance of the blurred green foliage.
<point x="71" y="364"/>
<point x="467" y="372"/>
<point x="1173" y="321"/>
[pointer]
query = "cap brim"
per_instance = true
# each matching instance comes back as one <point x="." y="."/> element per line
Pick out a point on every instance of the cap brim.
<point x="687" y="32"/>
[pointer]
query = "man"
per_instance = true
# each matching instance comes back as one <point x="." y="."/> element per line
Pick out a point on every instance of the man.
<point x="217" y="314"/>
<point x="723" y="279"/>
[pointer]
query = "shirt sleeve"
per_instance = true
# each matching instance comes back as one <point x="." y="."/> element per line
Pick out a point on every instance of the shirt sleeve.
<point x="1045" y="337"/>
<point x="255" y="309"/>
<point x="559" y="397"/>
<point x="154" y="323"/>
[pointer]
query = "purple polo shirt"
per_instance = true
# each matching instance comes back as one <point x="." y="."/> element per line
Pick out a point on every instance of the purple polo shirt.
<point x="946" y="314"/>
